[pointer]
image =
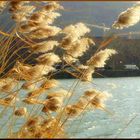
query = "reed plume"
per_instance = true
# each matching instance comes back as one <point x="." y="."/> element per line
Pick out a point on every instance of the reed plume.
<point x="21" y="112"/>
<point x="99" y="59"/>
<point x="3" y="5"/>
<point x="128" y="18"/>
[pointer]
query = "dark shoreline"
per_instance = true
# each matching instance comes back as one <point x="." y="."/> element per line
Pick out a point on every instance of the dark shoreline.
<point x="103" y="74"/>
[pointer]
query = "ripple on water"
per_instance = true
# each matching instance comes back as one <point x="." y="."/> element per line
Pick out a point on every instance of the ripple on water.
<point x="124" y="104"/>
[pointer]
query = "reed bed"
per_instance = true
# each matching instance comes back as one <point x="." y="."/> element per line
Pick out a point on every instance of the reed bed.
<point x="27" y="87"/>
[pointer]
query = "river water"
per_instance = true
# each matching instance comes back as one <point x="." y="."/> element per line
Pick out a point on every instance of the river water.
<point x="124" y="105"/>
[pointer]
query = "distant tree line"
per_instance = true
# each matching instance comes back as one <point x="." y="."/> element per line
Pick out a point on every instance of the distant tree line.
<point x="128" y="52"/>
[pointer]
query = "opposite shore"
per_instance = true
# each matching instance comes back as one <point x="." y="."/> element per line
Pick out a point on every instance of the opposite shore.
<point x="102" y="74"/>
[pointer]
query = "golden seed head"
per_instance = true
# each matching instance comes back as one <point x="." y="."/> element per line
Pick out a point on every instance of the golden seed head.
<point x="44" y="32"/>
<point x="10" y="99"/>
<point x="29" y="86"/>
<point x="36" y="16"/>
<point x="128" y="18"/>
<point x="3" y="5"/>
<point x="49" y="84"/>
<point x="38" y="134"/>
<point x="52" y="104"/>
<point x="72" y="110"/>
<point x="52" y="6"/>
<point x="44" y="46"/>
<point x="99" y="59"/>
<point x="36" y="92"/>
<point x="50" y="59"/>
<point x="21" y="111"/>
<point x="32" y="101"/>
<point x="32" y="121"/>
<point x="91" y="93"/>
<point x="7" y="84"/>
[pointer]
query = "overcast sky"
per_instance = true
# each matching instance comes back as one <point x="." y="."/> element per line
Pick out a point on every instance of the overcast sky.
<point x="89" y="12"/>
<point x="94" y="13"/>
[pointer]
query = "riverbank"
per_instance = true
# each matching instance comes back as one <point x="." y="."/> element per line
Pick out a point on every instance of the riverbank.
<point x="102" y="74"/>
